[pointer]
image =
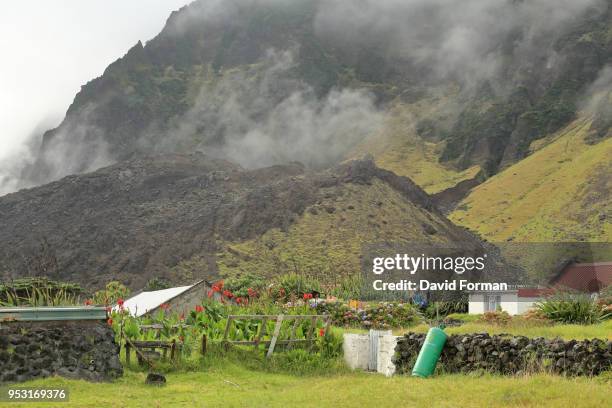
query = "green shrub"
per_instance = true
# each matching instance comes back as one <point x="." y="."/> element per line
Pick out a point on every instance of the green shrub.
<point x="444" y="308"/>
<point x="111" y="293"/>
<point x="383" y="315"/>
<point x="39" y="292"/>
<point x="303" y="362"/>
<point x="240" y="285"/>
<point x="157" y="284"/>
<point x="330" y="345"/>
<point x="566" y="307"/>
<point x="349" y="288"/>
<point x="293" y="286"/>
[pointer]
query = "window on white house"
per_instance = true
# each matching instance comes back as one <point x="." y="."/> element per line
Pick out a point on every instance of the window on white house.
<point x="492" y="302"/>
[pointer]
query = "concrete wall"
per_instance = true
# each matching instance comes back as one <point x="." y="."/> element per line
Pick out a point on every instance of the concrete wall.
<point x="526" y="304"/>
<point x="358" y="351"/>
<point x="476" y="303"/>
<point x="386" y="352"/>
<point x="509" y="302"/>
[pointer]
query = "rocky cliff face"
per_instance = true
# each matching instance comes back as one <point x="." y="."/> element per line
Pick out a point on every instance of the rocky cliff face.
<point x="524" y="77"/>
<point x="173" y="216"/>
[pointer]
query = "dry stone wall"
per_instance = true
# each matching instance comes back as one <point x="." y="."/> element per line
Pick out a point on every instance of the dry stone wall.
<point x="506" y="354"/>
<point x="74" y="349"/>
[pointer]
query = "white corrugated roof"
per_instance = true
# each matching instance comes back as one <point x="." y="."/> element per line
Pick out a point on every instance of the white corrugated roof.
<point x="145" y="301"/>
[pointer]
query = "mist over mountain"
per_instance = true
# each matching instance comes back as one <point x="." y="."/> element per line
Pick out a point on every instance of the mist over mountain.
<point x="224" y="144"/>
<point x="260" y="82"/>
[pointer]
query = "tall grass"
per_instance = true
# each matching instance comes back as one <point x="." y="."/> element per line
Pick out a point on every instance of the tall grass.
<point x="44" y="296"/>
<point x="566" y="307"/>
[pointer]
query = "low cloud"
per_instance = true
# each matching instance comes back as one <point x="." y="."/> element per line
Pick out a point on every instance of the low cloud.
<point x="262" y="116"/>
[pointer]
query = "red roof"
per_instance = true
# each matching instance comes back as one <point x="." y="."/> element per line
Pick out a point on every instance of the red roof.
<point x="533" y="292"/>
<point x="584" y="277"/>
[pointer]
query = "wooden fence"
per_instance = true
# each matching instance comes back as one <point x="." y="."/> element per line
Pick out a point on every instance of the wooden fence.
<point x="274" y="340"/>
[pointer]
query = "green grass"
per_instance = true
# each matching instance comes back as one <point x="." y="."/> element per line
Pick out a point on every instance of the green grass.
<point x="400" y="149"/>
<point x="564" y="331"/>
<point x="556" y="194"/>
<point x="236" y="386"/>
<point x="517" y="326"/>
<point x="326" y="241"/>
<point x="242" y="378"/>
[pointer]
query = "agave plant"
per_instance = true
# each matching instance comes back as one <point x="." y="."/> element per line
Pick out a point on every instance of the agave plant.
<point x="566" y="307"/>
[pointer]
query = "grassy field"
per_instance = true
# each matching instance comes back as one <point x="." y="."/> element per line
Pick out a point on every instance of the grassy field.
<point x="241" y="378"/>
<point x="564" y="331"/>
<point x="559" y="193"/>
<point x="236" y="386"/>
<point x="400" y="149"/>
<point x="328" y="238"/>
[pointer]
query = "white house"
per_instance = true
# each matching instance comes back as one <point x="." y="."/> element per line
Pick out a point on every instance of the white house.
<point x="582" y="277"/>
<point x="516" y="301"/>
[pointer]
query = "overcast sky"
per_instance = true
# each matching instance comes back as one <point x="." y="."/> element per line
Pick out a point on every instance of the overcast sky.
<point x="49" y="48"/>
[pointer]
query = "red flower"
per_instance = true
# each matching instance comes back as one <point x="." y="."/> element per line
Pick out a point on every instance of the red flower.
<point x="218" y="286"/>
<point x="252" y="292"/>
<point x="120" y="302"/>
<point x="321" y="332"/>
<point x="110" y="322"/>
<point x="88" y="302"/>
<point x="199" y="309"/>
<point x="164" y="306"/>
<point x="307" y="296"/>
<point x="210" y="293"/>
<point x="228" y="294"/>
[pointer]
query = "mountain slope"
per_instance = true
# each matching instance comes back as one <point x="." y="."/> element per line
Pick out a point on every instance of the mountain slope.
<point x="230" y="78"/>
<point x="185" y="217"/>
<point x="561" y="192"/>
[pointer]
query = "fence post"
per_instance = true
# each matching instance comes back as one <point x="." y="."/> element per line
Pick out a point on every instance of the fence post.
<point x="261" y="332"/>
<point x="277" y="328"/>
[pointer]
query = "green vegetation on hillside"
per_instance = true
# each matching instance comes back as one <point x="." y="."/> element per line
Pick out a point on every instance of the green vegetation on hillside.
<point x="325" y="242"/>
<point x="401" y="149"/>
<point x="561" y="192"/>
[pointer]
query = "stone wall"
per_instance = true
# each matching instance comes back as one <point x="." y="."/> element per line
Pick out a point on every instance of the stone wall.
<point x="83" y="349"/>
<point x="507" y="354"/>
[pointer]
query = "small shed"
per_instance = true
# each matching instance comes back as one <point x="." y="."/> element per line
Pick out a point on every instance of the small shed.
<point x="181" y="299"/>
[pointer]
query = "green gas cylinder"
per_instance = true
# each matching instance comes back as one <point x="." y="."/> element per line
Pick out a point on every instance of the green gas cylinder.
<point x="430" y="353"/>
